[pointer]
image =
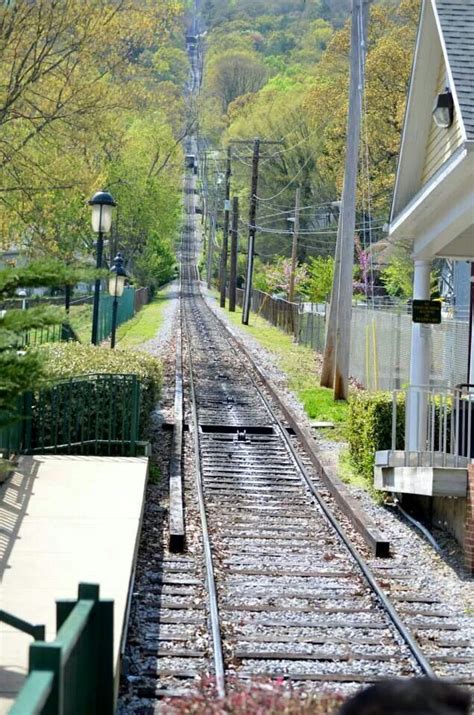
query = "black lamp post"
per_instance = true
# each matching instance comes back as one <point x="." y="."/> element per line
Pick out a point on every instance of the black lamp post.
<point x="102" y="204"/>
<point x="118" y="274"/>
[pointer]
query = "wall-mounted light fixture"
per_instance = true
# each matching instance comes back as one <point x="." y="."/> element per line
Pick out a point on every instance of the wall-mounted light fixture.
<point x="443" y="111"/>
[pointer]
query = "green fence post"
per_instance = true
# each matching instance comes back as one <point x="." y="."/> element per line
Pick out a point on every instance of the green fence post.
<point x="27" y="423"/>
<point x="96" y="677"/>
<point x="135" y="421"/>
<point x="47" y="657"/>
<point x="105" y="646"/>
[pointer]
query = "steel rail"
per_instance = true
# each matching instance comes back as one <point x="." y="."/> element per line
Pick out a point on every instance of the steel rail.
<point x="385" y="602"/>
<point x="219" y="667"/>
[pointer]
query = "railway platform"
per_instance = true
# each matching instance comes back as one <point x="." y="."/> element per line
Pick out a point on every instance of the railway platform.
<point x="64" y="520"/>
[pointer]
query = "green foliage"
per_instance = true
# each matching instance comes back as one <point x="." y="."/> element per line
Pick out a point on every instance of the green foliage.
<point x="42" y="273"/>
<point x="319" y="404"/>
<point x="73" y="359"/>
<point x="276" y="276"/>
<point x="154" y="474"/>
<point x="22" y="370"/>
<point x="155" y="266"/>
<point x="397" y="277"/>
<point x="320" y="277"/>
<point x="370" y="429"/>
<point x="100" y="105"/>
<point x="232" y="74"/>
<point x="145" y="324"/>
<point x="304" y="102"/>
<point x="171" y="65"/>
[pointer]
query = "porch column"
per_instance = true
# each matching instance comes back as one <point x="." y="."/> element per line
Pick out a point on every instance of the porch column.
<point x="420" y="362"/>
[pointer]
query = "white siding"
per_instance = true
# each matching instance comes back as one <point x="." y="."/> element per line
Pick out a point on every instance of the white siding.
<point x="442" y="143"/>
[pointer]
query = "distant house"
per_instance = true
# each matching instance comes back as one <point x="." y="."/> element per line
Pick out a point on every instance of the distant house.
<point x="433" y="209"/>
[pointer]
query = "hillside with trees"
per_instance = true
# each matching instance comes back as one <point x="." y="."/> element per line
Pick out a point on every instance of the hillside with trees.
<point x="279" y="70"/>
<point x="91" y="97"/>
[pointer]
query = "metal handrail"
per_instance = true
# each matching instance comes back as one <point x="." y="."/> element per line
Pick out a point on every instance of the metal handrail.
<point x="443" y="423"/>
<point x="35" y="693"/>
<point x="36" y="631"/>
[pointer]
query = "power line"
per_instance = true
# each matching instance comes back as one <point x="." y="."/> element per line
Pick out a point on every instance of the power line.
<point x="270" y="198"/>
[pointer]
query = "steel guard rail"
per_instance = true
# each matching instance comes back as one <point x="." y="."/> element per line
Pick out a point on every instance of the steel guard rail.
<point x="74" y="673"/>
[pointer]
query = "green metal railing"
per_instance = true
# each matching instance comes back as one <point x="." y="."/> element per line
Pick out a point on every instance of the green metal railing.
<point x="36" y="631"/>
<point x="74" y="673"/>
<point x="90" y="414"/>
<point x="11" y="434"/>
<point x="125" y="311"/>
<point x="61" y="332"/>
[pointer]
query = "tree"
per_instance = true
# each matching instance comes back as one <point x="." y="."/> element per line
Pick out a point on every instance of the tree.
<point x="275" y="277"/>
<point x="320" y="277"/>
<point x="73" y="76"/>
<point x="22" y="370"/>
<point x="232" y="74"/>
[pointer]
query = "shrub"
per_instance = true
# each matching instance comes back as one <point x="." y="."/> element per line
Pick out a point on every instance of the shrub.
<point x="74" y="359"/>
<point x="370" y="428"/>
<point x="272" y="697"/>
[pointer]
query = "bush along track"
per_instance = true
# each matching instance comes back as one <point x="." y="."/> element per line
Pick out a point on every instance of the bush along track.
<point x="65" y="360"/>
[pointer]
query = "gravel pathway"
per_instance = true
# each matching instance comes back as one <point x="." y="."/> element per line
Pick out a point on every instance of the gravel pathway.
<point x="159" y="344"/>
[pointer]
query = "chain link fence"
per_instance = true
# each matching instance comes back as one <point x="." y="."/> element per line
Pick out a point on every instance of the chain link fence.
<point x="381" y="346"/>
<point x="380" y="339"/>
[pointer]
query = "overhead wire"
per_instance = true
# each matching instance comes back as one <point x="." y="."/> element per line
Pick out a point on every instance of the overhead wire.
<point x="270" y="198"/>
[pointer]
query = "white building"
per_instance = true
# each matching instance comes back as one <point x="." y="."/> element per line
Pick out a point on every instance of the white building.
<point x="433" y="208"/>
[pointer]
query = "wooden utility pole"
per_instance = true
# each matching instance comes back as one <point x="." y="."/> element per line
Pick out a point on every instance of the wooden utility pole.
<point x="342" y="284"/>
<point x="327" y="371"/>
<point x="294" y="248"/>
<point x="252" y="219"/>
<point x="225" y="235"/>
<point x="210" y="249"/>
<point x="233" y="254"/>
<point x="252" y="231"/>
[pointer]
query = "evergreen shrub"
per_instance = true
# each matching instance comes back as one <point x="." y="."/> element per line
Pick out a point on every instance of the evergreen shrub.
<point x="370" y="428"/>
<point x="73" y="359"/>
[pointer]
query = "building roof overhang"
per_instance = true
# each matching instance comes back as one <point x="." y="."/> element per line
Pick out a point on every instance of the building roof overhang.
<point x="442" y="211"/>
<point x="430" y="49"/>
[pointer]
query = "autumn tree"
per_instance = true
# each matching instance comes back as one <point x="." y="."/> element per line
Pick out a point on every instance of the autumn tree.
<point x="74" y="74"/>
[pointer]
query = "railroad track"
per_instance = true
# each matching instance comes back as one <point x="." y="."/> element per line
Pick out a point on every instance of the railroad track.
<point x="270" y="585"/>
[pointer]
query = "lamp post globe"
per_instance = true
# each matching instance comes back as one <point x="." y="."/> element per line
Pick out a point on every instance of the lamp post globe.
<point x="102" y="204"/>
<point x="117" y="278"/>
<point x="118" y="274"/>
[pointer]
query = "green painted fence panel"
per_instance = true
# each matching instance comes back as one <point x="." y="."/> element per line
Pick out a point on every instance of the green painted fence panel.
<point x="125" y="311"/>
<point x="89" y="414"/>
<point x="73" y="675"/>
